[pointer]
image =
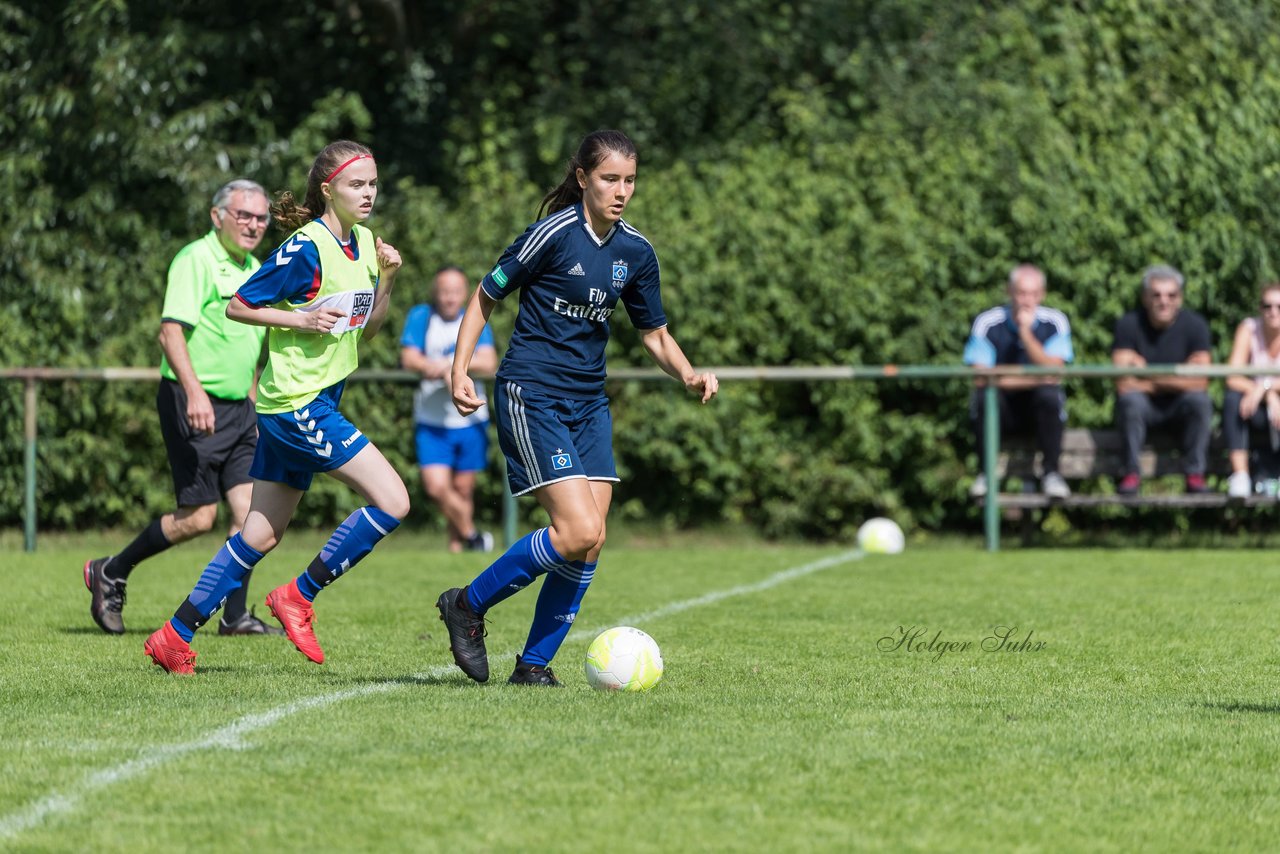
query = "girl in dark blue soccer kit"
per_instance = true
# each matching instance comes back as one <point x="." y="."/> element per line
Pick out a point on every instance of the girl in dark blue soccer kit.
<point x="572" y="267"/>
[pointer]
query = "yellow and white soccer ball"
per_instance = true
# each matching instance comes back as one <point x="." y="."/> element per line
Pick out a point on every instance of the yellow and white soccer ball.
<point x="881" y="536"/>
<point x="623" y="659"/>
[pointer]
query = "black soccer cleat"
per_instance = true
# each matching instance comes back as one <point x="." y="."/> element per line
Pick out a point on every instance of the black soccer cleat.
<point x="248" y="624"/>
<point x="108" y="596"/>
<point x="466" y="633"/>
<point x="533" y="674"/>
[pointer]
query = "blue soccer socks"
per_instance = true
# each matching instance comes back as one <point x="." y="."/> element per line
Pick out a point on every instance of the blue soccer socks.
<point x="557" y="607"/>
<point x="351" y="541"/>
<point x="223" y="575"/>
<point x="515" y="570"/>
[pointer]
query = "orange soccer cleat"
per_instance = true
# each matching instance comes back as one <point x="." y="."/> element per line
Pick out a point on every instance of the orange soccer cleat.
<point x="169" y="651"/>
<point x="296" y="615"/>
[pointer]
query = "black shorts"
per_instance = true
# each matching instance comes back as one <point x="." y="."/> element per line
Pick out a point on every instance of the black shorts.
<point x="205" y="467"/>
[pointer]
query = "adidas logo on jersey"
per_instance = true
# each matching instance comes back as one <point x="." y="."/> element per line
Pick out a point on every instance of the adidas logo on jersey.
<point x="577" y="270"/>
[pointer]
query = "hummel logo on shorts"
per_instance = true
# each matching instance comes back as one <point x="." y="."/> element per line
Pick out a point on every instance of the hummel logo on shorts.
<point x="577" y="270"/>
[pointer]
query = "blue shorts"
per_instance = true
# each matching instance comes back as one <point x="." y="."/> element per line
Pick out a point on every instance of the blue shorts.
<point x="547" y="438"/>
<point x="459" y="448"/>
<point x="293" y="446"/>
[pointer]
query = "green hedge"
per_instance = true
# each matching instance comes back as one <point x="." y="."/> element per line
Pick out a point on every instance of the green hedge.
<point x="825" y="184"/>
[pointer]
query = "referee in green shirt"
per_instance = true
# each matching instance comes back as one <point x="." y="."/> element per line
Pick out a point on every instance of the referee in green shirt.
<point x="205" y="403"/>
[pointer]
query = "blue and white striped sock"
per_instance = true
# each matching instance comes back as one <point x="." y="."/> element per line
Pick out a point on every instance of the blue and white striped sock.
<point x="557" y="608"/>
<point x="514" y="570"/>
<point x="348" y="545"/>
<point x="223" y="575"/>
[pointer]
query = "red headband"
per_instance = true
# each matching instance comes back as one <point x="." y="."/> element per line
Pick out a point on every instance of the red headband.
<point x="345" y="165"/>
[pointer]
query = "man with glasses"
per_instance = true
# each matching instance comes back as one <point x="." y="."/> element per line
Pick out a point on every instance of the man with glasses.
<point x="205" y="402"/>
<point x="1162" y="332"/>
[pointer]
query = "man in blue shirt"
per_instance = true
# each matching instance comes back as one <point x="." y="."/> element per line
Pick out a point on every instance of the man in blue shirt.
<point x="452" y="448"/>
<point x="1023" y="332"/>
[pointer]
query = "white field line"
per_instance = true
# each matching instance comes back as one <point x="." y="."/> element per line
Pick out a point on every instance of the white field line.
<point x="231" y="736"/>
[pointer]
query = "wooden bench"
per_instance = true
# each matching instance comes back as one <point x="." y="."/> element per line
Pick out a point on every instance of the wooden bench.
<point x="1096" y="454"/>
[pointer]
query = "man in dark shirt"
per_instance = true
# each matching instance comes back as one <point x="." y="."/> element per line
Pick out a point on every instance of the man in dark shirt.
<point x="1162" y="332"/>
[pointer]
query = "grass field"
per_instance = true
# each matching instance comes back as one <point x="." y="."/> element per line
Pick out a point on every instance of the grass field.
<point x="1148" y="718"/>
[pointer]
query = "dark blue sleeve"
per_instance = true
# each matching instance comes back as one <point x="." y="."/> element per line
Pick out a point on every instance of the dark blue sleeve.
<point x="291" y="273"/>
<point x="643" y="297"/>
<point x="523" y="259"/>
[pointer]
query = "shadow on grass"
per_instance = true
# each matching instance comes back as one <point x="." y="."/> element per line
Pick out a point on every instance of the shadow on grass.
<point x="94" y="630"/>
<point x="1260" y="708"/>
<point x="449" y="680"/>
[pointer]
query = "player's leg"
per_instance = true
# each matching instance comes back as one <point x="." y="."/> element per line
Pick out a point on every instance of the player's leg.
<point x="373" y="478"/>
<point x="539" y="451"/>
<point x="236" y="483"/>
<point x="542" y="459"/>
<point x="270" y="511"/>
<point x="282" y="469"/>
<point x="367" y="472"/>
<point x="237" y="618"/>
<point x="578" y="529"/>
<point x="564" y="587"/>
<point x="573" y="511"/>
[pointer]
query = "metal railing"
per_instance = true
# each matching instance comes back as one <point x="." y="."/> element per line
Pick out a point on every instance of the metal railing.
<point x="32" y="377"/>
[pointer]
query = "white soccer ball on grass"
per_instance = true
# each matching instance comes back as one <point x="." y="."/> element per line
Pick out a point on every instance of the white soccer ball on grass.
<point x="881" y="536"/>
<point x="623" y="659"/>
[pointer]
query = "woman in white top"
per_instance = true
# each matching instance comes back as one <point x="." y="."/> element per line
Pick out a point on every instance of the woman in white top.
<point x="1253" y="402"/>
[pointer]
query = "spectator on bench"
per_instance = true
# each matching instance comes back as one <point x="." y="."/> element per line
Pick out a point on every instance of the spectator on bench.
<point x="1252" y="402"/>
<point x="1023" y="332"/>
<point x="1162" y="332"/>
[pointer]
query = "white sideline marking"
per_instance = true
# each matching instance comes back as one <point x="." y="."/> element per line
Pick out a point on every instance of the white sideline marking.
<point x="232" y="735"/>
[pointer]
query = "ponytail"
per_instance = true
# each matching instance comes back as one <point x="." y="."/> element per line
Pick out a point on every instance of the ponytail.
<point x="564" y="195"/>
<point x="592" y="151"/>
<point x="286" y="209"/>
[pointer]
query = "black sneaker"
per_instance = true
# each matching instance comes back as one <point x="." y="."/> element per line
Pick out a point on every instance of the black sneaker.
<point x="248" y="624"/>
<point x="533" y="674"/>
<point x="466" y="633"/>
<point x="108" y="596"/>
<point x="480" y="541"/>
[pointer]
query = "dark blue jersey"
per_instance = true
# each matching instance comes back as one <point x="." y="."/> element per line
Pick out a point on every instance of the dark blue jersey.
<point x="994" y="339"/>
<point x="570" y="282"/>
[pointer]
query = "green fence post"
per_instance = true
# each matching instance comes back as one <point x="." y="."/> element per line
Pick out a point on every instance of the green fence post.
<point x="991" y="449"/>
<point x="29" y="465"/>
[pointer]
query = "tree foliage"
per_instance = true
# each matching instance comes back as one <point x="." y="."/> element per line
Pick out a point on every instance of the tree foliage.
<point x="825" y="182"/>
